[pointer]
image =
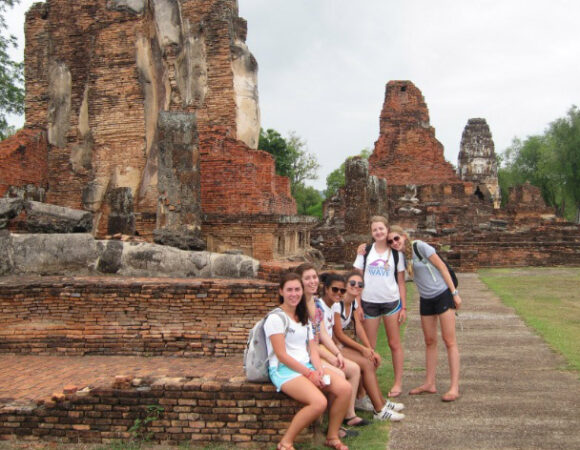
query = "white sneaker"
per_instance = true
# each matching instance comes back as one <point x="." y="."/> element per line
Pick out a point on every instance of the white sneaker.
<point x="364" y="404"/>
<point x="394" y="406"/>
<point x="388" y="414"/>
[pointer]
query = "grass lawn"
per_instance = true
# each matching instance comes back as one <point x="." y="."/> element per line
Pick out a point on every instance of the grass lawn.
<point x="548" y="299"/>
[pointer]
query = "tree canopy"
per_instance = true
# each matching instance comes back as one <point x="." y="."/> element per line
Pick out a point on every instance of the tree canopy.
<point x="295" y="162"/>
<point x="550" y="161"/>
<point x="11" y="75"/>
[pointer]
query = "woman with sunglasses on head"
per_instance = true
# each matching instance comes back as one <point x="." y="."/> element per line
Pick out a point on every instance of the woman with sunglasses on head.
<point x="330" y="354"/>
<point x="296" y="369"/>
<point x="438" y="300"/>
<point x="363" y="354"/>
<point x="384" y="298"/>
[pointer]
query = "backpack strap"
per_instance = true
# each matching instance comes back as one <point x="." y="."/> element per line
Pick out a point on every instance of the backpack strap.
<point x="396" y="258"/>
<point x="424" y="260"/>
<point x="280" y="313"/>
<point x="367" y="250"/>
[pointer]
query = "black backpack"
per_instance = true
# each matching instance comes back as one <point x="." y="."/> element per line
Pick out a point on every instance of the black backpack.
<point x="395" y="257"/>
<point x="428" y="264"/>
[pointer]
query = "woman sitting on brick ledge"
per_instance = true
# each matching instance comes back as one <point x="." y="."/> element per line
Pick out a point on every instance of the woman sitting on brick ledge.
<point x="295" y="367"/>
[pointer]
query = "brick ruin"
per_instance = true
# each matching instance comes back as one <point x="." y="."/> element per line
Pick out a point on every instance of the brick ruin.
<point x="146" y="114"/>
<point x="426" y="196"/>
<point x="476" y="161"/>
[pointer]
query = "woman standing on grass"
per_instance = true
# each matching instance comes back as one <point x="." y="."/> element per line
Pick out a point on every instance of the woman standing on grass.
<point x="296" y="370"/>
<point x="362" y="353"/>
<point x="438" y="301"/>
<point x="384" y="298"/>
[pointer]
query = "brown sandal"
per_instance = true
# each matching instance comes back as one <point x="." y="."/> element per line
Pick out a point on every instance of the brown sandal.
<point x="336" y="444"/>
<point x="281" y="446"/>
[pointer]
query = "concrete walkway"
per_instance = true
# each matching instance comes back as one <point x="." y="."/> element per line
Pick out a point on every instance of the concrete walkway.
<point x="514" y="391"/>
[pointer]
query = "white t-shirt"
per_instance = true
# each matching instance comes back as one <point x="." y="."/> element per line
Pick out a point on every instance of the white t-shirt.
<point x="296" y="338"/>
<point x="380" y="283"/>
<point x="346" y="316"/>
<point x="328" y="314"/>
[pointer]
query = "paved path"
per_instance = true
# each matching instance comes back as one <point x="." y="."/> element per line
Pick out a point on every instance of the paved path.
<point x="514" y="392"/>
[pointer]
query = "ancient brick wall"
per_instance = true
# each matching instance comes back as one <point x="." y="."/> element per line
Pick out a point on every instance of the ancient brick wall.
<point x="130" y="316"/>
<point x="23" y="160"/>
<point x="256" y="190"/>
<point x="407" y="151"/>
<point x="98" y="76"/>
<point x="194" y="411"/>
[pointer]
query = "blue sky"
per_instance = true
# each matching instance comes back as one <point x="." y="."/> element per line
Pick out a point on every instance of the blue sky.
<point x="324" y="64"/>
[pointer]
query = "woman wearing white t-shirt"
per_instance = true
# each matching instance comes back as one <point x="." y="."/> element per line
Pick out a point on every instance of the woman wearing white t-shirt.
<point x="385" y="295"/>
<point x="295" y="367"/>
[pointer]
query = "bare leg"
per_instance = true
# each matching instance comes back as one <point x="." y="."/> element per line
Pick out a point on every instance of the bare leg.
<point x="352" y="372"/>
<point x="302" y="390"/>
<point x="371" y="329"/>
<point x="429" y="325"/>
<point x="369" y="377"/>
<point x="392" y="327"/>
<point x="447" y="320"/>
<point x="340" y="392"/>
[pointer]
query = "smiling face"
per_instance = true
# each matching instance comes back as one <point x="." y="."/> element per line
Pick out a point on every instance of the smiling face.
<point x="379" y="231"/>
<point x="354" y="285"/>
<point x="310" y="281"/>
<point x="291" y="292"/>
<point x="396" y="241"/>
<point x="334" y="292"/>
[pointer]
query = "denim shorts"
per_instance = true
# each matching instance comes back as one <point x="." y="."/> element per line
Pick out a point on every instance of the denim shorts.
<point x="376" y="310"/>
<point x="281" y="374"/>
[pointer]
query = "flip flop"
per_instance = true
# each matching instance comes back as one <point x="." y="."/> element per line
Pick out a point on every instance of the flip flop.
<point x="394" y="394"/>
<point x="335" y="444"/>
<point x="361" y="423"/>
<point x="420" y="391"/>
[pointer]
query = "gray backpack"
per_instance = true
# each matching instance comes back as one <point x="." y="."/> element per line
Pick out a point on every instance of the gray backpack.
<point x="256" y="353"/>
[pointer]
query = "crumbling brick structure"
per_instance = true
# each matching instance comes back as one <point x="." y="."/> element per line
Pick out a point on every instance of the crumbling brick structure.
<point x="151" y="116"/>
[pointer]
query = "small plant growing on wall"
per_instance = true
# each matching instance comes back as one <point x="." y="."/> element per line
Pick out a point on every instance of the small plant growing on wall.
<point x="139" y="428"/>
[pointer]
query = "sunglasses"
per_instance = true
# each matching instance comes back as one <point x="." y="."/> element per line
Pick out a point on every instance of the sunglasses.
<point x="354" y="283"/>
<point x="337" y="289"/>
<point x="395" y="239"/>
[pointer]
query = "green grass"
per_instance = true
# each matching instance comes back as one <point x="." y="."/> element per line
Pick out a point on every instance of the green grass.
<point x="548" y="300"/>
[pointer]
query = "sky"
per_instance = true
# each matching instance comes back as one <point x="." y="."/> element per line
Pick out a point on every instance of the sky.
<point x="324" y="65"/>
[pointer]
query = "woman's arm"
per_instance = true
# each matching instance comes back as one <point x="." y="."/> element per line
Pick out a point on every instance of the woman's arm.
<point x="403" y="294"/>
<point x="344" y="338"/>
<point x="442" y="268"/>
<point x="330" y="351"/>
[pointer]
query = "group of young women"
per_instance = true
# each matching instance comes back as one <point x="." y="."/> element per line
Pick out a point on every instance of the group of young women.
<point x="316" y="363"/>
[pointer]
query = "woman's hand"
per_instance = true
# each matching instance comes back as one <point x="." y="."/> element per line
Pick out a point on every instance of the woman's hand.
<point x="402" y="315"/>
<point x="315" y="376"/>
<point x="340" y="361"/>
<point x="457" y="300"/>
<point x="376" y="358"/>
<point x="361" y="249"/>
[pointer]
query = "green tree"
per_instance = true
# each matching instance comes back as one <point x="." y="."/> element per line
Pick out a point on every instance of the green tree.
<point x="335" y="179"/>
<point x="550" y="161"/>
<point x="292" y="158"/>
<point x="308" y="200"/>
<point x="11" y="75"/>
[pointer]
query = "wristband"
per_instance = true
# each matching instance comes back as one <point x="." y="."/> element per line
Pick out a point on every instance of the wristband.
<point x="455" y="292"/>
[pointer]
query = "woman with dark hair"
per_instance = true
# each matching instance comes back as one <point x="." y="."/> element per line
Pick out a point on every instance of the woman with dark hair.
<point x="362" y="352"/>
<point x="438" y="301"/>
<point x="296" y="370"/>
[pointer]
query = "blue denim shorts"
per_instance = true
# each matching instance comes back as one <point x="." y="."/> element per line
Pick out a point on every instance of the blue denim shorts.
<point x="281" y="374"/>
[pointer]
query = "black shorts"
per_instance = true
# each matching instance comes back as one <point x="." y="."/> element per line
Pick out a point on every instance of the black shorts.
<point x="437" y="305"/>
<point x="374" y="310"/>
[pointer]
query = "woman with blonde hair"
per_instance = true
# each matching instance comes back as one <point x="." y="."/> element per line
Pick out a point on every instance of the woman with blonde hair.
<point x="384" y="298"/>
<point x="438" y="300"/>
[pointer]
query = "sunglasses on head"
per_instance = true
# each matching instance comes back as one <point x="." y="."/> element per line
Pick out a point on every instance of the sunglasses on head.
<point x="354" y="283"/>
<point x="337" y="289"/>
<point x="395" y="239"/>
